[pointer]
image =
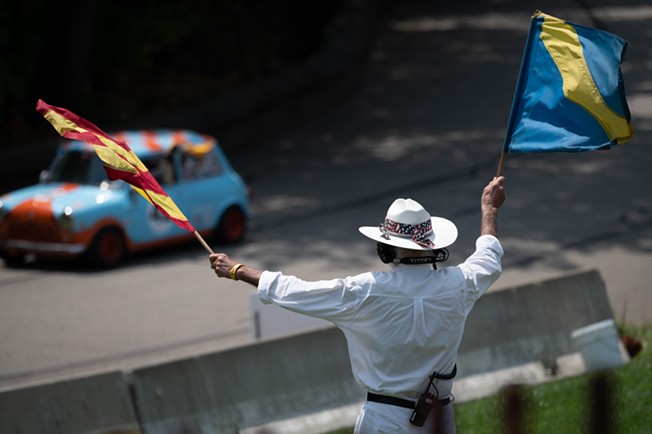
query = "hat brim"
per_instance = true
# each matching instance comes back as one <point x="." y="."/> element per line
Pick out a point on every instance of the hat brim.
<point x="444" y="234"/>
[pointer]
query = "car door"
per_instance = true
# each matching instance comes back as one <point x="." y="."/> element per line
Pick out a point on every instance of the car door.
<point x="144" y="222"/>
<point x="200" y="184"/>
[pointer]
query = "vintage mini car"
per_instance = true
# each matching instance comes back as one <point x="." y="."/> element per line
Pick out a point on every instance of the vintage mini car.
<point x="76" y="212"/>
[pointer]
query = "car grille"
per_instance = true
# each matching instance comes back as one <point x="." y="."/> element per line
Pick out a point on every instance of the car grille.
<point x="38" y="231"/>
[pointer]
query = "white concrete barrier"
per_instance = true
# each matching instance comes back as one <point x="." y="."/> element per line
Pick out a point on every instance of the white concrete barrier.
<point x="531" y="322"/>
<point x="247" y="386"/>
<point x="98" y="404"/>
<point x="600" y="346"/>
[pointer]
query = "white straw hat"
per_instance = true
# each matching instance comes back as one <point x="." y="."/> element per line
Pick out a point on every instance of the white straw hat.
<point x="410" y="226"/>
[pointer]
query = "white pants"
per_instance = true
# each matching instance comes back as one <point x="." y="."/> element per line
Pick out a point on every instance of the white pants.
<point x="377" y="418"/>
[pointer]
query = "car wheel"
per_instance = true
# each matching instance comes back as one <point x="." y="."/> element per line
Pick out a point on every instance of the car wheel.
<point x="107" y="249"/>
<point x="232" y="225"/>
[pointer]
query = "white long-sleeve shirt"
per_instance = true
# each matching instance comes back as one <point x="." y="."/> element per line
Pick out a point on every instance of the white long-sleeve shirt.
<point x="400" y="325"/>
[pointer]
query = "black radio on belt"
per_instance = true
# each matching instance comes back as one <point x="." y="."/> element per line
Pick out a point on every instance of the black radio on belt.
<point x="426" y="401"/>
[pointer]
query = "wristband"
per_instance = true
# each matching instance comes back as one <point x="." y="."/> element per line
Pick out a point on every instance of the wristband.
<point x="234" y="270"/>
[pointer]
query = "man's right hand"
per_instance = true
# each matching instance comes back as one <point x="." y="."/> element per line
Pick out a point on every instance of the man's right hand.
<point x="493" y="194"/>
<point x="493" y="197"/>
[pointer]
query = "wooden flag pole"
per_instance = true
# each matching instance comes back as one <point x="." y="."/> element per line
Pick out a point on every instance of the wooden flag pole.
<point x="501" y="163"/>
<point x="203" y="243"/>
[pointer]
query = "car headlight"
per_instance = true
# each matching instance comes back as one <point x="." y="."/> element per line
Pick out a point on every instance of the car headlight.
<point x="66" y="219"/>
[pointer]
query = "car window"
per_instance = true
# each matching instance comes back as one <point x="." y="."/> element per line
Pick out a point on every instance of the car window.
<point x="205" y="166"/>
<point x="77" y="167"/>
<point x="162" y="169"/>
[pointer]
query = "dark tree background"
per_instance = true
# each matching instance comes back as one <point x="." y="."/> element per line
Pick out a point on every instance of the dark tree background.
<point x="115" y="60"/>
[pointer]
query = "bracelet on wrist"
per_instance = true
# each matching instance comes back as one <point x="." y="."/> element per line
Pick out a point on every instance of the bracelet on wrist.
<point x="234" y="270"/>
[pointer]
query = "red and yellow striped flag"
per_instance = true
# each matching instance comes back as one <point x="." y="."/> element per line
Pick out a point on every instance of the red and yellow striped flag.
<point x="119" y="160"/>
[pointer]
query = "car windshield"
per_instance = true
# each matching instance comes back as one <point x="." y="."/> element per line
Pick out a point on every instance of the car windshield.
<point x="77" y="167"/>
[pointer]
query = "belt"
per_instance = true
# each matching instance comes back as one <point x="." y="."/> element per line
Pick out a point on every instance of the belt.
<point x="400" y="402"/>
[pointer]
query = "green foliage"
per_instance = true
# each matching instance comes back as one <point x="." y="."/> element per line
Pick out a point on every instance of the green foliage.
<point x="564" y="406"/>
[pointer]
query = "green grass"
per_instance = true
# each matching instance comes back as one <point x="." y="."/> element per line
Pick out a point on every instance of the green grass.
<point x="565" y="406"/>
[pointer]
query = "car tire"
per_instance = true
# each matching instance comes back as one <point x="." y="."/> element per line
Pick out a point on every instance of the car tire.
<point x="108" y="248"/>
<point x="232" y="226"/>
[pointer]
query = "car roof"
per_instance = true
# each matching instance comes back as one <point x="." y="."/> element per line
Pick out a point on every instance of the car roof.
<point x="148" y="143"/>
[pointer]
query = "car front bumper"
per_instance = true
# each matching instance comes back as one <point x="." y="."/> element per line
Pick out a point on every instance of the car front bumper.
<point x="41" y="247"/>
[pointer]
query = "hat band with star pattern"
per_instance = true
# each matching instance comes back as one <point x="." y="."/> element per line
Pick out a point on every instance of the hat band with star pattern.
<point x="418" y="233"/>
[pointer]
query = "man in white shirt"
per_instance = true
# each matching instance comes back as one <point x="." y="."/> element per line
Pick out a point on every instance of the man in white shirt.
<point x="403" y="326"/>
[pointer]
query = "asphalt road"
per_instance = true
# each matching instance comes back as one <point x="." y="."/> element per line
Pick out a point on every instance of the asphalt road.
<point x="427" y="123"/>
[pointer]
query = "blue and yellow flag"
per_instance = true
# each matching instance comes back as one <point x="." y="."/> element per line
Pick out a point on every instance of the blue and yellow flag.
<point x="570" y="95"/>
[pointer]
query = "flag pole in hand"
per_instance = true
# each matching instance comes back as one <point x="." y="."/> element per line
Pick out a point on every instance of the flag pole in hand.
<point x="501" y="163"/>
<point x="203" y="243"/>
